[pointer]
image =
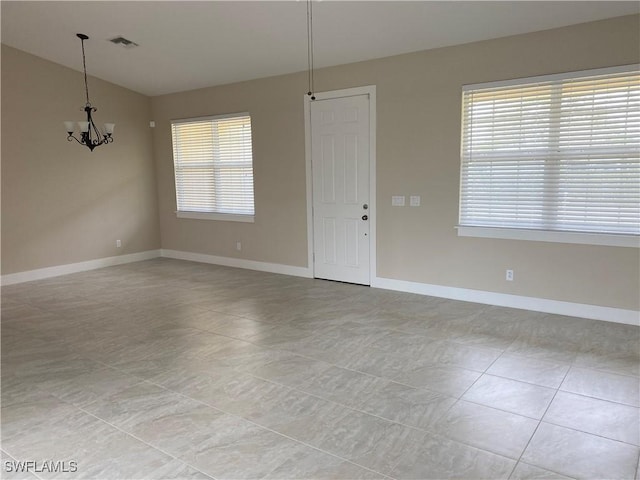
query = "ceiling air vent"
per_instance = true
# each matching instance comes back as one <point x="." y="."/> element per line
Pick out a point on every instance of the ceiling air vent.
<point x="123" y="42"/>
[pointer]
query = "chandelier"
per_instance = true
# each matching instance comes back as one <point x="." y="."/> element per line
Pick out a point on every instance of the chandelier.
<point x="90" y="136"/>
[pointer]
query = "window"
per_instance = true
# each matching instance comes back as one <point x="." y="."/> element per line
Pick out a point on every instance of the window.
<point x="213" y="165"/>
<point x="559" y="154"/>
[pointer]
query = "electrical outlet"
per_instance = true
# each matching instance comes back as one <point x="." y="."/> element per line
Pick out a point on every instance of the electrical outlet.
<point x="509" y="276"/>
<point x="238" y="246"/>
<point x="118" y="243"/>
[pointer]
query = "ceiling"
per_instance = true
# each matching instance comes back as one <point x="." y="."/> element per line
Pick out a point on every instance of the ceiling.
<point x="185" y="45"/>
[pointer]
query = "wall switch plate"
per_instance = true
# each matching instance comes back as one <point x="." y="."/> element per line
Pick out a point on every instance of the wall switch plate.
<point x="152" y="124"/>
<point x="397" y="201"/>
<point x="414" y="201"/>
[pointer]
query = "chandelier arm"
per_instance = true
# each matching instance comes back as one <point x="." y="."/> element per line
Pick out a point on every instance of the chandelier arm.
<point x="96" y="140"/>
<point x="73" y="137"/>
<point x="92" y="138"/>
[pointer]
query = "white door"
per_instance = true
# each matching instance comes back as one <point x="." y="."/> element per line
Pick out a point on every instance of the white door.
<point x="340" y="172"/>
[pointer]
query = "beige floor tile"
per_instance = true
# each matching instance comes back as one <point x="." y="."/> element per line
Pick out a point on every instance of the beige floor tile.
<point x="448" y="380"/>
<point x="411" y="406"/>
<point x="343" y="386"/>
<point x="436" y="457"/>
<point x="510" y="395"/>
<point x="238" y="449"/>
<point x="600" y="417"/>
<point x="603" y="385"/>
<point x="524" y="471"/>
<point x="494" y="430"/>
<point x="530" y="370"/>
<point x="580" y="455"/>
<point x="173" y="369"/>
<point x="310" y="463"/>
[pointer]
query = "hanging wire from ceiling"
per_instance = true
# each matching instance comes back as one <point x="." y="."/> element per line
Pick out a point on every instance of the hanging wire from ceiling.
<point x="82" y="38"/>
<point x="310" y="68"/>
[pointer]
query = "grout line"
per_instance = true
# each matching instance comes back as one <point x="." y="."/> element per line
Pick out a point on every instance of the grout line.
<point x="151" y="382"/>
<point x="591" y="396"/>
<point x="264" y="427"/>
<point x="141" y="440"/>
<point x="499" y="409"/>
<point x="590" y="433"/>
<point x="366" y="345"/>
<point x="538" y="426"/>
<point x="354" y="409"/>
<point x="545" y="469"/>
<point x="83" y="409"/>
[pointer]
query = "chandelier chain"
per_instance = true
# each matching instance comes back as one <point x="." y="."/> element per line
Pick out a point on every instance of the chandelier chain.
<point x="84" y="66"/>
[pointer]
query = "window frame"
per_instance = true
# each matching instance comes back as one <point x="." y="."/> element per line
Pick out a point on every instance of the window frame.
<point x="220" y="216"/>
<point x="535" y="234"/>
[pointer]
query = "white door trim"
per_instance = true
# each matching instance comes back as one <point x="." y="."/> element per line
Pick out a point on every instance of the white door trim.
<point x="369" y="90"/>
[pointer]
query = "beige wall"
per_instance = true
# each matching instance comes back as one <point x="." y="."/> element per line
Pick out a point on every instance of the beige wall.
<point x="62" y="203"/>
<point x="418" y="141"/>
<point x="279" y="233"/>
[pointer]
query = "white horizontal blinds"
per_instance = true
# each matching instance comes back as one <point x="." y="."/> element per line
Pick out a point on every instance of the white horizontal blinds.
<point x="214" y="165"/>
<point x="562" y="154"/>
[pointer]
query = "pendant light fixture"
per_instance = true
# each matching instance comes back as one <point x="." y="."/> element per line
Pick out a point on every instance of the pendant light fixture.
<point x="90" y="136"/>
<point x="310" y="48"/>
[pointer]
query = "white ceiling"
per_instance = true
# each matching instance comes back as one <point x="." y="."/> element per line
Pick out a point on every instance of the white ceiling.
<point x="186" y="45"/>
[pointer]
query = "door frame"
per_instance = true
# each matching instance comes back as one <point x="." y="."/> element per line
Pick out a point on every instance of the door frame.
<point x="369" y="90"/>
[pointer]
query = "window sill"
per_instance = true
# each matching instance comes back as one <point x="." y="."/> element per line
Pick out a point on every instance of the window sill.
<point x="611" y="240"/>
<point x="227" y="217"/>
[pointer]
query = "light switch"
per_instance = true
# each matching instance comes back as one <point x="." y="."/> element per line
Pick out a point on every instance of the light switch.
<point x="414" y="200"/>
<point x="397" y="201"/>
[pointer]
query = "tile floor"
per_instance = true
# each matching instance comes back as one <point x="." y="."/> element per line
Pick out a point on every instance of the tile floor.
<point x="171" y="369"/>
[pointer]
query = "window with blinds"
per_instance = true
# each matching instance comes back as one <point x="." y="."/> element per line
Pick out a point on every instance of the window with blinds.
<point x="557" y="153"/>
<point x="213" y="166"/>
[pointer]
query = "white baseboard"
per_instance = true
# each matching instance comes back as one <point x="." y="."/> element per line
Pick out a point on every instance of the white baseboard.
<point x="238" y="263"/>
<point x="48" y="272"/>
<point x="595" y="312"/>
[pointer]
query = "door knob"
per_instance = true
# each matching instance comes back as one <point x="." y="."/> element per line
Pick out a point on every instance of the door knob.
<point x="364" y="217"/>
<point x="365" y="206"/>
